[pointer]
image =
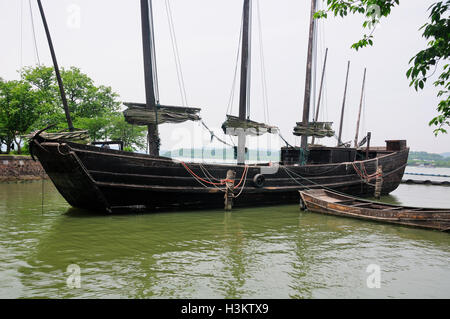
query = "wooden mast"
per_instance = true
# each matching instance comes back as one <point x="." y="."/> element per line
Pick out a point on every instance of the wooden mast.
<point x="244" y="96"/>
<point x="360" y="107"/>
<point x="343" y="107"/>
<point x="147" y="44"/>
<point x="308" y="80"/>
<point x="55" y="65"/>
<point x="316" y="118"/>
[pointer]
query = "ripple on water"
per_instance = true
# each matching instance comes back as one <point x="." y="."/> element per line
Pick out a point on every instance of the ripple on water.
<point x="267" y="252"/>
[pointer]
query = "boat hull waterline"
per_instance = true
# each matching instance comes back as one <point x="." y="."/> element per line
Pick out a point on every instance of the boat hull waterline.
<point x="102" y="179"/>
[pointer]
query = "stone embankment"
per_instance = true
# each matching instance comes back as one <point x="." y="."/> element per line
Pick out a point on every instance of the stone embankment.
<point x="20" y="168"/>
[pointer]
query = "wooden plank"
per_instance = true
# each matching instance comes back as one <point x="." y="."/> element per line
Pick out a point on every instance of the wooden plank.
<point x="407" y="216"/>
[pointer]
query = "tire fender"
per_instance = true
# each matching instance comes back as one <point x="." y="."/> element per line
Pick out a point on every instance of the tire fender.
<point x="258" y="180"/>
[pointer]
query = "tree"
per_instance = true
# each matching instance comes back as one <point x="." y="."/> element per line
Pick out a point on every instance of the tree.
<point x="85" y="100"/>
<point x="133" y="137"/>
<point x="97" y="127"/>
<point x="34" y="103"/>
<point x="426" y="62"/>
<point x="19" y="109"/>
<point x="42" y="80"/>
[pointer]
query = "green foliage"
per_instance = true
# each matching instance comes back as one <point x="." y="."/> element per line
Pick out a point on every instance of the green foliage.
<point x="85" y="100"/>
<point x="97" y="127"/>
<point x="133" y="137"/>
<point x="437" y="32"/>
<point x="43" y="81"/>
<point x="419" y="158"/>
<point x="34" y="102"/>
<point x="114" y="127"/>
<point x="373" y="11"/>
<point x="426" y="62"/>
<point x="19" y="109"/>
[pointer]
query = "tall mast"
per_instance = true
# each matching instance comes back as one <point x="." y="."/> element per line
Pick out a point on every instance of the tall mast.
<point x="316" y="118"/>
<point x="308" y="80"/>
<point x="244" y="96"/>
<point x="149" y="64"/>
<point x="343" y="106"/>
<point x="55" y="65"/>
<point x="360" y="107"/>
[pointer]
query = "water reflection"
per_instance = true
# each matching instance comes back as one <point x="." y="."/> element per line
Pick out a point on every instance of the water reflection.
<point x="268" y="252"/>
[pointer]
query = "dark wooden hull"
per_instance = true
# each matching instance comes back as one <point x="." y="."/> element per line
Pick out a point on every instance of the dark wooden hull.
<point x="331" y="203"/>
<point x="102" y="179"/>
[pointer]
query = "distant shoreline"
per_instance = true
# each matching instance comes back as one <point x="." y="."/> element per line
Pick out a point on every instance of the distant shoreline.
<point x="424" y="159"/>
<point x="427" y="166"/>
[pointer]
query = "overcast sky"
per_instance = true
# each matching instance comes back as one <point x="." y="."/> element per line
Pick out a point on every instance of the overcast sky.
<point x="103" y="39"/>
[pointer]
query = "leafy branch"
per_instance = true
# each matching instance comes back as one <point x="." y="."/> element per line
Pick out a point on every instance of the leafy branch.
<point x="426" y="62"/>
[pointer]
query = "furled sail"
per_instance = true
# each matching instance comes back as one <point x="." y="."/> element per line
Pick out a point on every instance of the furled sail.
<point x="316" y="129"/>
<point x="76" y="135"/>
<point x="140" y="114"/>
<point x="233" y="123"/>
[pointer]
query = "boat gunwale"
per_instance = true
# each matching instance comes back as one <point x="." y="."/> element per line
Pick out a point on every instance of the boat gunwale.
<point x="393" y="220"/>
<point x="118" y="153"/>
<point x="423" y="209"/>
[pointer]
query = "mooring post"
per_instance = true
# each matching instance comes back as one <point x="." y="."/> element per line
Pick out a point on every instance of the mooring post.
<point x="229" y="191"/>
<point x="369" y="135"/>
<point x="379" y="182"/>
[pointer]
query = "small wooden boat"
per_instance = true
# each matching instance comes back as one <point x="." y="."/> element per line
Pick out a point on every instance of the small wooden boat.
<point x="332" y="203"/>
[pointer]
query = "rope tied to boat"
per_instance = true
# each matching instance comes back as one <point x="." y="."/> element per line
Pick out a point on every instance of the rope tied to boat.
<point x="362" y="173"/>
<point x="220" y="181"/>
<point x="243" y="185"/>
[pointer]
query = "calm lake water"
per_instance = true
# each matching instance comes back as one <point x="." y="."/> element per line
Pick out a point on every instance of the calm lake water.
<point x="269" y="252"/>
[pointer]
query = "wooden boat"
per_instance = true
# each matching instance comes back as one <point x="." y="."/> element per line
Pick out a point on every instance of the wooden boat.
<point x="99" y="178"/>
<point x="102" y="179"/>
<point x="332" y="203"/>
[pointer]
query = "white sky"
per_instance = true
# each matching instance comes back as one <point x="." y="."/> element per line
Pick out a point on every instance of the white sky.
<point x="106" y="45"/>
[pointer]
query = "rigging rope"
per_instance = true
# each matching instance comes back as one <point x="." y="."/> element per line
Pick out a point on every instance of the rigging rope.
<point x="211" y="132"/>
<point x="176" y="53"/>
<point x="263" y="67"/>
<point x="249" y="61"/>
<point x="233" y="86"/>
<point x="221" y="181"/>
<point x="206" y="173"/>
<point x="328" y="188"/>
<point x="284" y="140"/>
<point x="365" y="177"/>
<point x="243" y="185"/>
<point x="34" y="33"/>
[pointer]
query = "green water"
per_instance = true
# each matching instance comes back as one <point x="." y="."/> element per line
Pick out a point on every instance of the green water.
<point x="270" y="252"/>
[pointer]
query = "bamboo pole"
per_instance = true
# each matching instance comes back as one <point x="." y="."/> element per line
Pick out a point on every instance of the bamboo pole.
<point x="55" y="65"/>
<point x="360" y="107"/>
<point x="147" y="36"/>
<point x="320" y="90"/>
<point x="307" y="98"/>
<point x="244" y="96"/>
<point x="343" y="107"/>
